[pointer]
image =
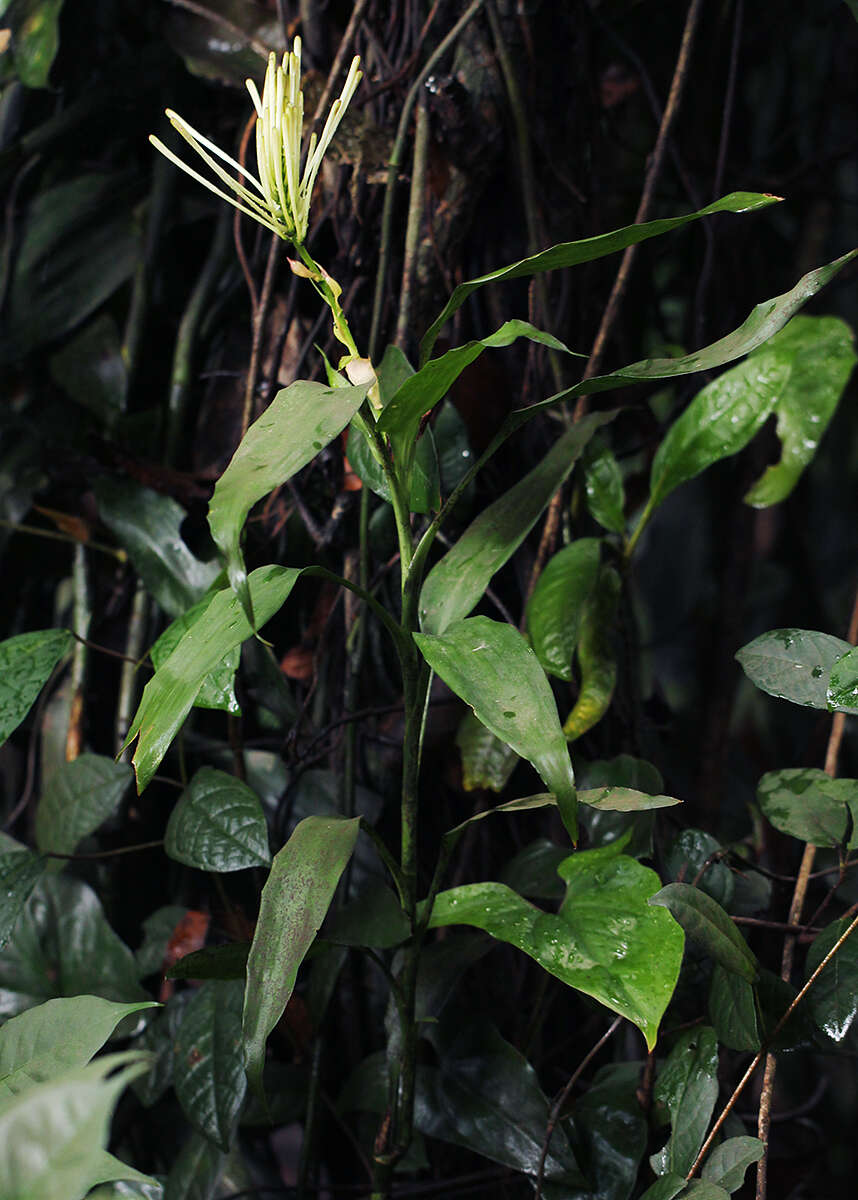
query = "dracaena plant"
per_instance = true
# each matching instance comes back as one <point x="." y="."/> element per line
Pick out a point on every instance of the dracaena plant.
<point x="617" y="936"/>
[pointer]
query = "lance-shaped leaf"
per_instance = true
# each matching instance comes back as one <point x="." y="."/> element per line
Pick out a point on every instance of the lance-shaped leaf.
<point x="26" y="662"/>
<point x="596" y="656"/>
<point x="605" y="799"/>
<point x="707" y="924"/>
<point x="603" y="488"/>
<point x="492" y="668"/>
<point x="688" y="1089"/>
<point x="217" y="689"/>
<point x="457" y="582"/>
<point x="821" y="354"/>
<point x="169" y="696"/>
<point x="217" y="825"/>
<point x="556" y="606"/>
<point x="295" y="899"/>
<point x="208" y="1071"/>
<point x="793" y="664"/>
<point x="605" y="941"/>
<point x="419" y="394"/>
<point x="78" y="798"/>
<point x="149" y="526"/>
<point x="54" y="1037"/>
<point x="299" y="422"/>
<point x="570" y="254"/>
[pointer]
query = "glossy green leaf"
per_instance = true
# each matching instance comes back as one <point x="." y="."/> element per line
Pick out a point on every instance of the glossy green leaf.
<point x="610" y="1133"/>
<point x="687" y="1087"/>
<point x="217" y="825"/>
<point x="623" y="771"/>
<point x="78" y="244"/>
<point x="212" y="962"/>
<point x="20" y="871"/>
<point x="297" y="894"/>
<point x="195" y="1173"/>
<point x="556" y="606"/>
<point x="570" y="254"/>
<point x="148" y="526"/>
<point x="375" y="918"/>
<point x="694" y="856"/>
<point x="624" y="800"/>
<point x="604" y="941"/>
<point x="726" y="1164"/>
<point x="299" y="422"/>
<point x="491" y="667"/>
<point x="91" y="370"/>
<point x="704" y="1189"/>
<point x="55" y="1037"/>
<point x="485" y="1096"/>
<point x="533" y="871"/>
<point x="596" y="656"/>
<point x="158" y="1039"/>
<point x="217" y="690"/>
<point x="706" y="923"/>
<point x="457" y="582"/>
<point x="764" y="321"/>
<point x="419" y="394"/>
<point x="455" y="455"/>
<point x="208" y="1072"/>
<point x="62" y="945"/>
<point x="128" y="1183"/>
<point x="425" y="493"/>
<point x="820" y="352"/>
<point x="603" y="487"/>
<point x="793" y="664"/>
<point x="79" y="797"/>
<point x="833" y="998"/>
<point x="807" y="804"/>
<point x="665" y="1188"/>
<point x="487" y="762"/>
<point x="54" y="1133"/>
<point x="35" y="39"/>
<point x="733" y="1010"/>
<point x="26" y="662"/>
<point x="842" y="691"/>
<point x="169" y="696"/>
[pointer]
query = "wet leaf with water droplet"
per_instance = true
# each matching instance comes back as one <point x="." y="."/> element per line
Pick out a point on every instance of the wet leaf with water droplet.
<point x="793" y="664"/>
<point x="558" y="602"/>
<point x="807" y="804"/>
<point x="834" y="996"/>
<point x="26" y="662"/>
<point x="687" y="1087"/>
<point x="217" y="825"/>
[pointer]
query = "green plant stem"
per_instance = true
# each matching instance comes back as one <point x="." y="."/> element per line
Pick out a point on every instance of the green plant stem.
<point x="395" y="162"/>
<point x="127" y="699"/>
<point x="643" y="521"/>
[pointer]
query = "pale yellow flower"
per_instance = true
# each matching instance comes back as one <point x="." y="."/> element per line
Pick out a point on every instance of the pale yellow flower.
<point x="280" y="198"/>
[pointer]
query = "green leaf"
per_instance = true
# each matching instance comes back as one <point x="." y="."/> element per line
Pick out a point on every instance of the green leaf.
<point x="485" y="1096"/>
<point x="212" y="962"/>
<point x="20" y="871"/>
<point x="624" y="800"/>
<point x="78" y="244"/>
<point x="727" y="1163"/>
<point x="55" y="1037"/>
<point x="109" y="1169"/>
<point x="688" y="1088"/>
<point x="706" y="923"/>
<point x="665" y="1188"/>
<point x="148" y="526"/>
<point x="807" y="804"/>
<point x="63" y="946"/>
<point x="458" y="580"/>
<point x="834" y="996"/>
<point x="487" y="762"/>
<point x="26" y="662"/>
<point x="570" y="254"/>
<point x="733" y="1010"/>
<point x="169" y="696"/>
<point x="603" y="488"/>
<point x="556" y="606"/>
<point x="195" y="1173"/>
<point x="297" y="894"/>
<point x="799" y="373"/>
<point x="596" y="655"/>
<point x="704" y="1189"/>
<point x="79" y="797"/>
<point x="793" y="664"/>
<point x="425" y="494"/>
<point x="842" y="691"/>
<point x="604" y="941"/>
<point x="694" y="856"/>
<point x="419" y="394"/>
<point x="820" y="352"/>
<point x="217" y="690"/>
<point x="158" y="1039"/>
<point x="208" y="1072"/>
<point x="533" y="871"/>
<point x="299" y="422"/>
<point x="375" y="918"/>
<point x="54" y="1133"/>
<point x="35" y="39"/>
<point x="217" y="825"/>
<point x="491" y="667"/>
<point x="610" y="1133"/>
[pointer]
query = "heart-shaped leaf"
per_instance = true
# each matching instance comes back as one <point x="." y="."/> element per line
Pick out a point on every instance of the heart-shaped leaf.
<point x="217" y="825"/>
